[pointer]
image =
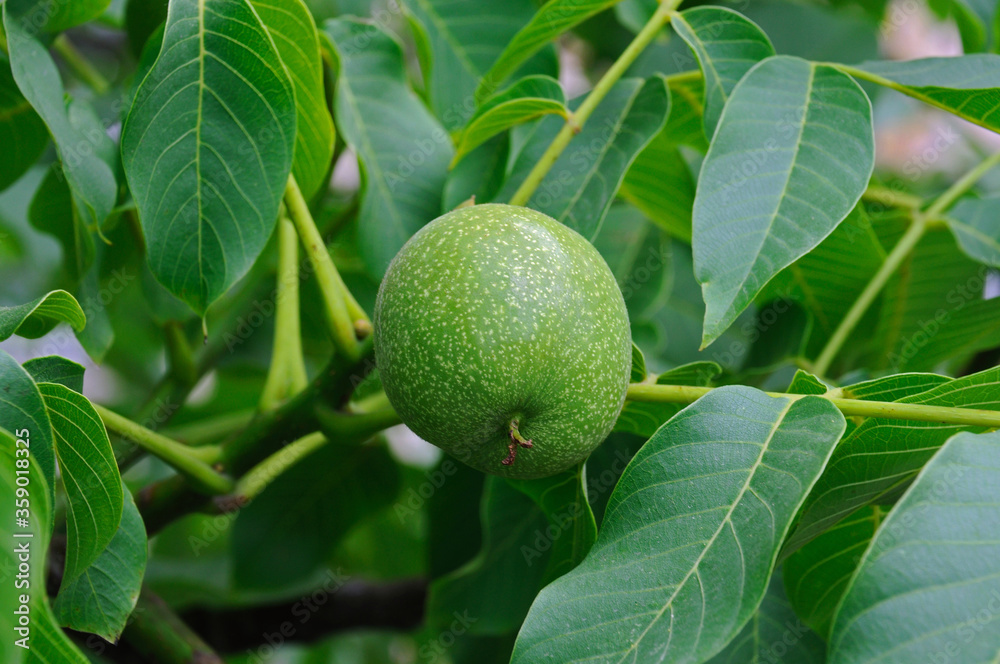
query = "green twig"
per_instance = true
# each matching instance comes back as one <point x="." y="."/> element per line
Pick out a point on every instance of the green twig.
<point x="962" y="185"/>
<point x="180" y="357"/>
<point x="579" y="117"/>
<point x="211" y="429"/>
<point x="341" y="309"/>
<point x="921" y="222"/>
<point x="287" y="374"/>
<point x="355" y="428"/>
<point x="191" y="462"/>
<point x="82" y="68"/>
<point x="849" y="407"/>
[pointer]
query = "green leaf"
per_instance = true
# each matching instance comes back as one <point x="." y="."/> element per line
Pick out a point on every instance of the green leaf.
<point x="22" y="407"/>
<point x="894" y="388"/>
<point x="293" y="30"/>
<point x="924" y="304"/>
<point x="816" y="576"/>
<point x="968" y="86"/>
<point x="638" y="366"/>
<point x="37" y="318"/>
<point x="528" y="99"/>
<point x="403" y="151"/>
<point x="572" y="529"/>
<point x="804" y="382"/>
<point x="101" y="599"/>
<point x="828" y="280"/>
<point x="52" y="211"/>
<point x="728" y="45"/>
<point x="582" y="183"/>
<point x="64" y="15"/>
<point x="49" y="644"/>
<point x="89" y="474"/>
<point x="883" y="455"/>
<point x="644" y="418"/>
<point x="497" y="586"/>
<point x="553" y="19"/>
<point x="933" y="569"/>
<point x="306" y="511"/>
<point x="55" y="369"/>
<point x="660" y="183"/>
<point x="976" y="225"/>
<point x="791" y="156"/>
<point x="690" y="536"/>
<point x="207" y="147"/>
<point x="143" y="18"/>
<point x="480" y="173"/>
<point x="20" y="128"/>
<point x="774" y="634"/>
<point x="91" y="179"/>
<point x="462" y="41"/>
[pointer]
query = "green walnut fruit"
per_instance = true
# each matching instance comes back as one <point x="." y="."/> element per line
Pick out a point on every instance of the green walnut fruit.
<point x="502" y="338"/>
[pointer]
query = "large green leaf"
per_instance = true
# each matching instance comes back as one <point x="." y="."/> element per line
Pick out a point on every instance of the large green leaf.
<point x="20" y="128"/>
<point x="293" y="30"/>
<point x="52" y="211"/>
<point x="22" y="407"/>
<point x="101" y="599"/>
<point x="929" y="582"/>
<point x="528" y="99"/>
<point x="553" y="19"/>
<point x="816" y="576"/>
<point x="791" y="156"/>
<point x="91" y="179"/>
<point x="404" y="152"/>
<point x="497" y="586"/>
<point x="968" y="86"/>
<point x="89" y="473"/>
<point x="688" y="542"/>
<point x="774" y="634"/>
<point x="579" y="188"/>
<point x="728" y="45"/>
<point x="572" y="529"/>
<point x="883" y="455"/>
<point x="305" y="512"/>
<point x="207" y="147"/>
<point x="976" y="225"/>
<point x="37" y="318"/>
<point x="463" y="40"/>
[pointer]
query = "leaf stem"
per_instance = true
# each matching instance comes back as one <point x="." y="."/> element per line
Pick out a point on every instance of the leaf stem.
<point x="892" y="261"/>
<point x="82" y="68"/>
<point x="191" y="462"/>
<point x="578" y="118"/>
<point x="892" y="198"/>
<point x="260" y="476"/>
<point x="287" y="373"/>
<point x="962" y="185"/>
<point x="340" y="306"/>
<point x="849" y="407"/>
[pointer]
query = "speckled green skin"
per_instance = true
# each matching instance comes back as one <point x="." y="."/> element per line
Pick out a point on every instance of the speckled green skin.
<point x="492" y="313"/>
